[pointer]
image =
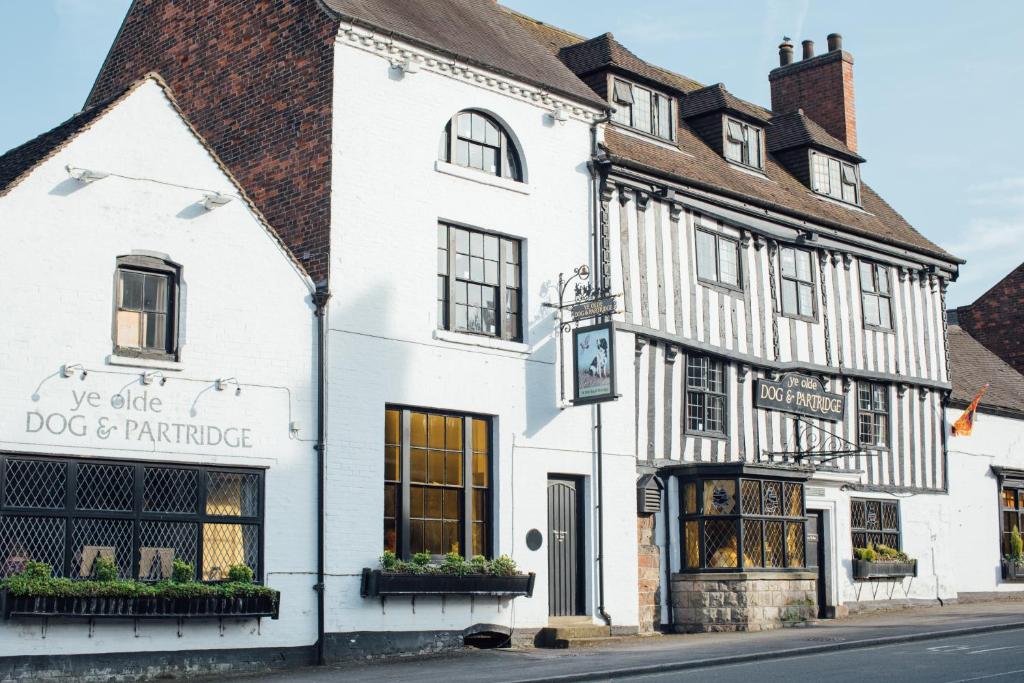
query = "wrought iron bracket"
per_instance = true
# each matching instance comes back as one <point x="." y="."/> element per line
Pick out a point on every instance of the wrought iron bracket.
<point x="814" y="445"/>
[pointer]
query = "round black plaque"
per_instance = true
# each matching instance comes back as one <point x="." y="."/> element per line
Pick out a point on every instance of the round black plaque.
<point x="534" y="539"/>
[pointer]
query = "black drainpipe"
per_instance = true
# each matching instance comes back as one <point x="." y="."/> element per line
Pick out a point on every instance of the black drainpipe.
<point x="320" y="298"/>
<point x="599" y="278"/>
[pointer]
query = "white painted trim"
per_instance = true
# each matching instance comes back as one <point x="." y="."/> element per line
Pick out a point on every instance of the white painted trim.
<point x="517" y="348"/>
<point x="128" y="361"/>
<point x="481" y="177"/>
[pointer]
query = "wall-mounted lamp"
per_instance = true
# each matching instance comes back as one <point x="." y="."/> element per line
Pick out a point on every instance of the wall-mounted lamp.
<point x="85" y="175"/>
<point x="409" y="65"/>
<point x="149" y="377"/>
<point x="215" y="201"/>
<point x="560" y="114"/>
<point x="222" y="384"/>
<point x="68" y="370"/>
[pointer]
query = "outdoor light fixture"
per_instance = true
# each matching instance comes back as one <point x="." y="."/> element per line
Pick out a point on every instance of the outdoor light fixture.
<point x="560" y="114"/>
<point x="215" y="200"/>
<point x="148" y="377"/>
<point x="85" y="175"/>
<point x="68" y="370"/>
<point x="222" y="384"/>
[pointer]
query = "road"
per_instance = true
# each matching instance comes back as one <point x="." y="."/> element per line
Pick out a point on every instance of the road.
<point x="990" y="657"/>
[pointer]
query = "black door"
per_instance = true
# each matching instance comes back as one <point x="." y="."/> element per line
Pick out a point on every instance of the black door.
<point x="816" y="558"/>
<point x="565" y="545"/>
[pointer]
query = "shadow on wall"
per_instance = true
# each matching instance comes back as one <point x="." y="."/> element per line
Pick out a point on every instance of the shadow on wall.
<point x="540" y="390"/>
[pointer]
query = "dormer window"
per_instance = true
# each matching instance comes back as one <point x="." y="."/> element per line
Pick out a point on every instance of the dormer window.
<point x="834" y="178"/>
<point x="743" y="143"/>
<point x="643" y="109"/>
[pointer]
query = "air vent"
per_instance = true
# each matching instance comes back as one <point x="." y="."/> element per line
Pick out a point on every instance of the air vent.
<point x="648" y="495"/>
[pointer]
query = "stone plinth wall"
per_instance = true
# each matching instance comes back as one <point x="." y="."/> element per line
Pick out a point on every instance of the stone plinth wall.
<point x="742" y="602"/>
<point x="648" y="574"/>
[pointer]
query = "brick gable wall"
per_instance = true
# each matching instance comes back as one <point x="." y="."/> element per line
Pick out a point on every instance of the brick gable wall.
<point x="255" y="79"/>
<point x="996" y="319"/>
<point x="823" y="87"/>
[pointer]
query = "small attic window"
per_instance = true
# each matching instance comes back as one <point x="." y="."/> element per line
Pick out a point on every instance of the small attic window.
<point x="743" y="143"/>
<point x="643" y="109"/>
<point x="834" y="178"/>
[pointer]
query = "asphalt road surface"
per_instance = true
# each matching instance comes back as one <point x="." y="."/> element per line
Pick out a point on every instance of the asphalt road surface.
<point x="990" y="657"/>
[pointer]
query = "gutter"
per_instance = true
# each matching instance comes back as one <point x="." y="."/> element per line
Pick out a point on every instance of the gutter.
<point x="320" y="299"/>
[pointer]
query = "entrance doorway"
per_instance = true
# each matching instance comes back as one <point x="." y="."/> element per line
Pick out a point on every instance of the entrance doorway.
<point x="816" y="554"/>
<point x="565" y="546"/>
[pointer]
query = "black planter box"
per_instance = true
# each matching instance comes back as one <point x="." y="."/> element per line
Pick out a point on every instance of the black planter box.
<point x="14" y="606"/>
<point x="1012" y="572"/>
<point x="883" y="570"/>
<point x="376" y="582"/>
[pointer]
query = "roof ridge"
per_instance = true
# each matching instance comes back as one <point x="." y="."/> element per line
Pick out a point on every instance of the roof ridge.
<point x="545" y="24"/>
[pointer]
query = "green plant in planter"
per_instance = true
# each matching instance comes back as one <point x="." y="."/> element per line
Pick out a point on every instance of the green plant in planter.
<point x="182" y="572"/>
<point x="454" y="564"/>
<point x="865" y="554"/>
<point x="478" y="565"/>
<point x="240" y="573"/>
<point x="504" y="566"/>
<point x="104" y="569"/>
<point x="421" y="559"/>
<point x="1016" y="554"/>
<point x="389" y="560"/>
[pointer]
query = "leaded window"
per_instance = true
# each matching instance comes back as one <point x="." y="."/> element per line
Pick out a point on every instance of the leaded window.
<point x="478" y="282"/>
<point x="705" y="395"/>
<point x="642" y="108"/>
<point x="743" y="143"/>
<point x="797" y="282"/>
<point x="1011" y="503"/>
<point x="718" y="259"/>
<point x="875" y="522"/>
<point x="873" y="414"/>
<point x="834" y="178"/>
<point x="476" y="140"/>
<point x="145" y="322"/>
<point x="143" y="516"/>
<point x="876" y="295"/>
<point x="437" y="483"/>
<point x="743" y="524"/>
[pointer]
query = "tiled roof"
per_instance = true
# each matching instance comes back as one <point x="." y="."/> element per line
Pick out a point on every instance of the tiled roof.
<point x="694" y="162"/>
<point x="795" y="129"/>
<point x="716" y="98"/>
<point x="477" y="31"/>
<point x="551" y="37"/>
<point x="18" y="162"/>
<point x="973" y="366"/>
<point x="604" y="51"/>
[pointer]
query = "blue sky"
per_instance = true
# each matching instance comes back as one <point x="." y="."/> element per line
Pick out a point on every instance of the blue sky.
<point x="937" y="86"/>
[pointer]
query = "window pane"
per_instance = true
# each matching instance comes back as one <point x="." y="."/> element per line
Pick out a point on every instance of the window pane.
<point x="692" y="546"/>
<point x="232" y="494"/>
<point x="884" y="314"/>
<point x="720" y="543"/>
<point x="835" y="183"/>
<point x="849" y="175"/>
<point x="493" y="136"/>
<point x="623" y="92"/>
<point x="462" y="153"/>
<point x="719" y="497"/>
<point x="129" y="329"/>
<point x="752" y="555"/>
<point x="642" y="109"/>
<point x="491" y="272"/>
<point x="435" y="431"/>
<point x="465" y="124"/>
<point x="789" y="302"/>
<point x="806" y="300"/>
<point x="735" y="131"/>
<point x="729" y="266"/>
<point x="154" y="296"/>
<point x="734" y="151"/>
<point x="883" y="279"/>
<point x="418" y="428"/>
<point x="156" y="327"/>
<point x="132" y="285"/>
<point x="1010" y="498"/>
<point x="773" y="544"/>
<point x="787" y="257"/>
<point x="706" y="267"/>
<point x="476" y="156"/>
<point x="871" y="309"/>
<point x="490" y="160"/>
<point x="754" y="145"/>
<point x="821" y="181"/>
<point x="794" y="544"/>
<point x="479" y="128"/>
<point x="418" y="465"/>
<point x="867" y="280"/>
<point x="664" y="117"/>
<point x="803" y="265"/>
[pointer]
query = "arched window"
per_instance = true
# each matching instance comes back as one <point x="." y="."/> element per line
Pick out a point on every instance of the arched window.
<point x="476" y="140"/>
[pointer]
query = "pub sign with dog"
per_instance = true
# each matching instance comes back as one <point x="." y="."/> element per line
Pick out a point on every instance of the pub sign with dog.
<point x="594" y="363"/>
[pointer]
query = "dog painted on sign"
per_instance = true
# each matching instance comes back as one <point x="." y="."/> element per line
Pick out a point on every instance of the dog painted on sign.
<point x="599" y="363"/>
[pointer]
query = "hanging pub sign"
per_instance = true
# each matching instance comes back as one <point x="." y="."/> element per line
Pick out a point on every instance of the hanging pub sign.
<point x="801" y="394"/>
<point x="593" y="308"/>
<point x="593" y="363"/>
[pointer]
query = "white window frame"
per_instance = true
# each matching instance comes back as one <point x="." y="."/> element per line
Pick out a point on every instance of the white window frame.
<point x="745" y="142"/>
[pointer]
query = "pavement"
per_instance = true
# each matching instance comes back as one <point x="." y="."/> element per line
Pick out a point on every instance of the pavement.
<point x="843" y="643"/>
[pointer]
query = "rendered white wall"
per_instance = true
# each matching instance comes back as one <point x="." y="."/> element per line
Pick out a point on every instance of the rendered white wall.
<point x="245" y="314"/>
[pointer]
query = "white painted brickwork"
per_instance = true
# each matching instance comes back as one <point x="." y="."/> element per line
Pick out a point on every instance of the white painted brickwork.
<point x="245" y="314"/>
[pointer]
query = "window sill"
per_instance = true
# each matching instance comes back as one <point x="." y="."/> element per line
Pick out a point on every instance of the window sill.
<point x="749" y="170"/>
<point x="879" y="328"/>
<point x="648" y="137"/>
<point x="518" y="348"/>
<point x="801" y="318"/>
<point x="721" y="288"/>
<point x="148" y="363"/>
<point x="480" y="177"/>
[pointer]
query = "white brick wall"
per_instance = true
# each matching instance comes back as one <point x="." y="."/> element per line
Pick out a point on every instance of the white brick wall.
<point x="245" y="314"/>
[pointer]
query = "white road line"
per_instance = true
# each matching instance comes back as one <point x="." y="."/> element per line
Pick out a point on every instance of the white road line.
<point x="993" y="649"/>
<point x="990" y="676"/>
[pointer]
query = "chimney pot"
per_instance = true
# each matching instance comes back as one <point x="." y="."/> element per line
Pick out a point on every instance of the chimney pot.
<point x="785" y="52"/>
<point x="835" y="42"/>
<point x="808" y="48"/>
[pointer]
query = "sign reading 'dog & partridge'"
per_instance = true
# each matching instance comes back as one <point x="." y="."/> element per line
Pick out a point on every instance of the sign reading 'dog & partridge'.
<point x="800" y="394"/>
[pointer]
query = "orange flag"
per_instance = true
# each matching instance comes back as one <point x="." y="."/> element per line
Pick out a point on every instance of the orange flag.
<point x="964" y="425"/>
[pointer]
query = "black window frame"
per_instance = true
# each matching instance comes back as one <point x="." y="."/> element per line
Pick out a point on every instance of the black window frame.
<point x="508" y="157"/>
<point x="707" y="393"/>
<point x="874" y="413"/>
<point x="871" y="287"/>
<point x="888" y="529"/>
<point x="744" y="519"/>
<point x="153" y="266"/>
<point x="626" y="104"/>
<point x="509" y="294"/>
<point x="797" y="283"/>
<point x="469" y="489"/>
<point x="843" y="168"/>
<point x="719" y="238"/>
<point x="1009" y="481"/>
<point x="137" y="516"/>
<point x="744" y="142"/>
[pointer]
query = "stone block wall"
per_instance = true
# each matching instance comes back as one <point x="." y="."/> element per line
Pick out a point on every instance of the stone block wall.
<point x="703" y="603"/>
<point x="648" y="575"/>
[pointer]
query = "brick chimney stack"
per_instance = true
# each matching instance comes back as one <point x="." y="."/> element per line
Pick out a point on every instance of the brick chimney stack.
<point x="821" y="85"/>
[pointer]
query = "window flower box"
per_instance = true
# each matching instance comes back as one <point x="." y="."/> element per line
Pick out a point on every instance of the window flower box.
<point x="862" y="569"/>
<point x="376" y="582"/>
<point x="1013" y="571"/>
<point x="15" y="606"/>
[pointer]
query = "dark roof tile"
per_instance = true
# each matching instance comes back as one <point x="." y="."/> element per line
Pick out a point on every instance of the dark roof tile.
<point x="973" y="366"/>
<point x="716" y="98"/>
<point x="604" y="52"/>
<point x="795" y="129"/>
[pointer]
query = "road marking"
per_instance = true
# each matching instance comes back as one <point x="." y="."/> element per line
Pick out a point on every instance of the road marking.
<point x="990" y="676"/>
<point x="946" y="649"/>
<point x="993" y="649"/>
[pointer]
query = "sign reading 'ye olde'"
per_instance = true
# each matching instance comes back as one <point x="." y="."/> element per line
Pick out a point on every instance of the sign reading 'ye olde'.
<point x="800" y="394"/>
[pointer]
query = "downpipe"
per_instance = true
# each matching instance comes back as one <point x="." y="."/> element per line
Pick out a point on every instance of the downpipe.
<point x="320" y="299"/>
